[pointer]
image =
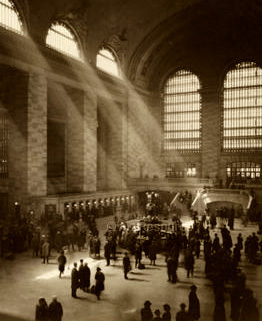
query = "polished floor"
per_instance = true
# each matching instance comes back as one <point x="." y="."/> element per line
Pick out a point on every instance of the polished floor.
<point x="24" y="280"/>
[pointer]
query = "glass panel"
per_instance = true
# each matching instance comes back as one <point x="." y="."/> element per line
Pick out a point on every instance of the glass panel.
<point x="176" y="170"/>
<point x="62" y="39"/>
<point x="9" y="17"/>
<point x="181" y="119"/>
<point x="242" y="124"/>
<point x="244" y="170"/>
<point x="106" y="61"/>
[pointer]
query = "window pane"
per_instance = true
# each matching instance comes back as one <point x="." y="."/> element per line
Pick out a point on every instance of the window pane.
<point x="62" y="39"/>
<point x="9" y="17"/>
<point x="106" y="61"/>
<point x="181" y="117"/>
<point x="242" y="170"/>
<point x="176" y="170"/>
<point x="242" y="124"/>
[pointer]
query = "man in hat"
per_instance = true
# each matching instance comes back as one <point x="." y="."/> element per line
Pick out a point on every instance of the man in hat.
<point x="55" y="310"/>
<point x="146" y="313"/>
<point x="74" y="280"/>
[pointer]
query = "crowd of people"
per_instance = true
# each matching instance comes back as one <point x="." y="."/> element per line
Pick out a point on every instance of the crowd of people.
<point x="145" y="240"/>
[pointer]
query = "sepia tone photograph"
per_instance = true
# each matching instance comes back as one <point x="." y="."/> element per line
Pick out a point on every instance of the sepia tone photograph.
<point x="130" y="160"/>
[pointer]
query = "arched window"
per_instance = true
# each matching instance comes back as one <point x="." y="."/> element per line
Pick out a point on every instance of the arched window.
<point x="181" y="116"/>
<point x="62" y="39"/>
<point x="242" y="114"/>
<point x="9" y="17"/>
<point x="106" y="61"/>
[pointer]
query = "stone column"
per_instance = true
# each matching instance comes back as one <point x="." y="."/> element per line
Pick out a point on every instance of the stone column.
<point x="90" y="142"/>
<point x="75" y="140"/>
<point x="37" y="135"/>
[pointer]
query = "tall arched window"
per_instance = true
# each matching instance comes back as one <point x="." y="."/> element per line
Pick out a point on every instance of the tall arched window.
<point x="9" y="17"/>
<point x="106" y="61"/>
<point x="242" y="114"/>
<point x="62" y="39"/>
<point x="181" y="116"/>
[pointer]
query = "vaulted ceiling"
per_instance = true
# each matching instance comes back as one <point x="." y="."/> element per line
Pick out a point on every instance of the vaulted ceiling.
<point x="159" y="35"/>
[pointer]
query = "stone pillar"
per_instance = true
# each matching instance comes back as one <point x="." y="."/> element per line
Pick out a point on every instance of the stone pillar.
<point x="37" y="135"/>
<point x="75" y="140"/>
<point x="115" y="166"/>
<point x="16" y="101"/>
<point x="90" y="142"/>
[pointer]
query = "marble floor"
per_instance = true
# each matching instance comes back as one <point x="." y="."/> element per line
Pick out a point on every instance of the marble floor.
<point x="24" y="280"/>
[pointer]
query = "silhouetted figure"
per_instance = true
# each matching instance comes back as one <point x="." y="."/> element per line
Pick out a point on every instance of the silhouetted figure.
<point x="157" y="315"/>
<point x="45" y="251"/>
<point x="194" y="305"/>
<point x="61" y="263"/>
<point x="74" y="280"/>
<point x="41" y="310"/>
<point x="146" y="313"/>
<point x="55" y="310"/>
<point x="100" y="279"/>
<point x="86" y="277"/>
<point x="182" y="315"/>
<point x="219" y="312"/>
<point x="249" y="310"/>
<point x="166" y="315"/>
<point x="189" y="262"/>
<point x="107" y="252"/>
<point x="126" y="265"/>
<point x="81" y="274"/>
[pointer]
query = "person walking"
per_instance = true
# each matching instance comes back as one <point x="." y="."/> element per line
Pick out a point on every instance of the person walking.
<point x="55" y="310"/>
<point x="41" y="310"/>
<point x="146" y="313"/>
<point x="61" y="263"/>
<point x="100" y="279"/>
<point x="194" y="305"/>
<point x="45" y="251"/>
<point x="126" y="265"/>
<point x="74" y="280"/>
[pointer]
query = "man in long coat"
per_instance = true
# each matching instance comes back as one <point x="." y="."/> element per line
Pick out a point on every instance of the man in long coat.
<point x="74" y="280"/>
<point x="100" y="278"/>
<point x="126" y="265"/>
<point x="86" y="277"/>
<point x="194" y="305"/>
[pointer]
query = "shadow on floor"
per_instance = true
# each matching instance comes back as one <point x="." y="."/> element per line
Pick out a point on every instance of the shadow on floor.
<point x="136" y="279"/>
<point x="7" y="317"/>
